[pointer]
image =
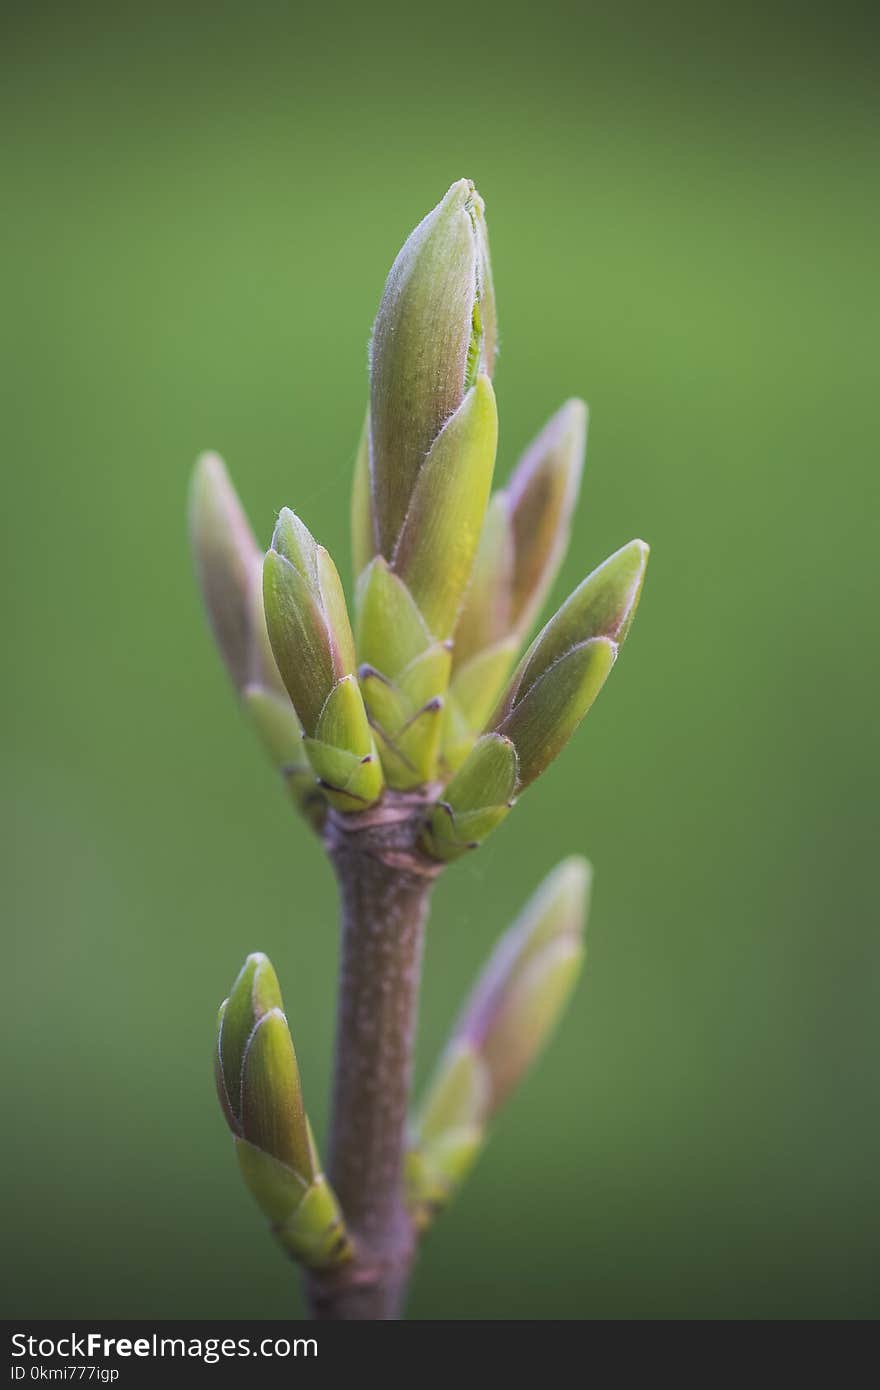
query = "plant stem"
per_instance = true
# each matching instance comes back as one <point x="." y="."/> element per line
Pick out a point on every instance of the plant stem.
<point x="385" y="884"/>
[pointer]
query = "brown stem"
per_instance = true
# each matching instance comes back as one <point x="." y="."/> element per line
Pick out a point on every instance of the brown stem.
<point x="385" y="884"/>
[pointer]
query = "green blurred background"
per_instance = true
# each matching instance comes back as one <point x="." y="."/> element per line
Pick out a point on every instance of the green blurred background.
<point x="201" y="205"/>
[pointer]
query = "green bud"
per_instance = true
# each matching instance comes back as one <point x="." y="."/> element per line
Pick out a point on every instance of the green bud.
<point x="447" y="1134"/>
<point x="272" y="1115"/>
<point x="544" y="719"/>
<point x="486" y="618"/>
<point x="531" y="1010"/>
<point x="435" y="551"/>
<point x="556" y="682"/>
<point x="433" y="1172"/>
<point x="257" y="1078"/>
<point x="523" y="541"/>
<point x="303" y="1214"/>
<point x="313" y="646"/>
<point x="459" y="1093"/>
<point x="306" y="618"/>
<point x="422" y="478"/>
<point x="434" y="334"/>
<point x="226" y="556"/>
<point x="363" y="537"/>
<point x="526" y="982"/>
<point x="541" y="498"/>
<point x="391" y="632"/>
<point x="506" y="1021"/>
<point x="477" y="799"/>
<point x="280" y="732"/>
<point x="258" y="1083"/>
<point x="229" y="565"/>
<point x="404" y="673"/>
<point x="473" y="694"/>
<point x="342" y="751"/>
<point x="564" y="669"/>
<point x="525" y="536"/>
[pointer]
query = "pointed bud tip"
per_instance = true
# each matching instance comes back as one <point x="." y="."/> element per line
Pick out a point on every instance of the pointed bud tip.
<point x="209" y="466"/>
<point x="463" y="194"/>
<point x="575" y="413"/>
<point x="574" y="876"/>
<point x="256" y="959"/>
<point x="214" y="505"/>
<point x="636" y="554"/>
<point x="290" y="536"/>
<point x="226" y="555"/>
<point x="560" y="904"/>
<point x="462" y="191"/>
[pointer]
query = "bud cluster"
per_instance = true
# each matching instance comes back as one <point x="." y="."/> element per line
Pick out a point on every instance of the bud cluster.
<point x="449" y="579"/>
<point x="426" y="690"/>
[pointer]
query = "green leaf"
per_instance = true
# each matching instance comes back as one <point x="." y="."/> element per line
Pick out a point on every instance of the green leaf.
<point x="438" y="539"/>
